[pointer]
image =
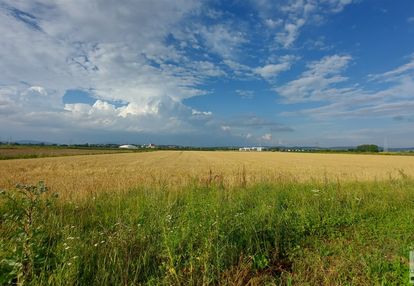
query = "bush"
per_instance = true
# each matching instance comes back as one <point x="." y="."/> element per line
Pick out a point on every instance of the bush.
<point x="368" y="148"/>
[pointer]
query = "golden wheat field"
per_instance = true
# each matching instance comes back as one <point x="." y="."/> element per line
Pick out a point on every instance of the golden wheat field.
<point x="79" y="175"/>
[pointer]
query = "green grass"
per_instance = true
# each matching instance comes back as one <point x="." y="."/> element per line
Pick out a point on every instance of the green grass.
<point x="281" y="233"/>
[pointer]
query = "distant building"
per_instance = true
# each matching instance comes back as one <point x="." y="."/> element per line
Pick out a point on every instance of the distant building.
<point x="150" y="146"/>
<point x="251" y="149"/>
<point x="128" y="147"/>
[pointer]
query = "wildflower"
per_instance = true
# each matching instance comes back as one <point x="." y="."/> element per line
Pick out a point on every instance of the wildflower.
<point x="103" y="241"/>
<point x="315" y="191"/>
<point x="67" y="247"/>
<point x="95" y="245"/>
<point x="69" y="264"/>
<point x="75" y="257"/>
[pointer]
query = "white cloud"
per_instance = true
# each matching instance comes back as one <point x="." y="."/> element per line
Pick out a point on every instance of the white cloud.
<point x="272" y="70"/>
<point x="152" y="55"/>
<point x="116" y="50"/>
<point x="222" y="40"/>
<point x="38" y="90"/>
<point x="246" y="94"/>
<point x="315" y="82"/>
<point x="292" y="15"/>
<point x="290" y="33"/>
<point x="337" y="5"/>
<point x="395" y="73"/>
<point x="225" y="128"/>
<point x="273" y="23"/>
<point x="266" y="137"/>
<point x="201" y="113"/>
<point x="254" y="128"/>
<point x="237" y="68"/>
<point x="394" y="101"/>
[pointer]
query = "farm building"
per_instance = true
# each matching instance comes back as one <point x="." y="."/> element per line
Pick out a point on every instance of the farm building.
<point x="128" y="147"/>
<point x="150" y="146"/>
<point x="251" y="149"/>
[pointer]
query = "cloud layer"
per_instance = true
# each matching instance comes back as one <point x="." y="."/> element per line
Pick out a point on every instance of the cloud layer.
<point x="146" y="62"/>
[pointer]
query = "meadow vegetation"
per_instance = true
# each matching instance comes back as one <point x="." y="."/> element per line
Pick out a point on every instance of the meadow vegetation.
<point x="208" y="223"/>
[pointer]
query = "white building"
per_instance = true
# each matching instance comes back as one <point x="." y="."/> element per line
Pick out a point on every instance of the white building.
<point x="251" y="149"/>
<point x="150" y="146"/>
<point x="128" y="147"/>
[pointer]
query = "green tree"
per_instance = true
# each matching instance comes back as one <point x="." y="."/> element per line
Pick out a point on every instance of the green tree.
<point x="367" y="148"/>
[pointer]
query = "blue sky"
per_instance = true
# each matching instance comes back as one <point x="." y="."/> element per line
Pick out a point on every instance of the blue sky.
<point x="281" y="72"/>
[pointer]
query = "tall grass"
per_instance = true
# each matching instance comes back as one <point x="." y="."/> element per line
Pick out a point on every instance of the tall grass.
<point x="270" y="233"/>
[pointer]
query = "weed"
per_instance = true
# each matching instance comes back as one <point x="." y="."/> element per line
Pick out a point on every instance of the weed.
<point x="352" y="233"/>
<point x="26" y="206"/>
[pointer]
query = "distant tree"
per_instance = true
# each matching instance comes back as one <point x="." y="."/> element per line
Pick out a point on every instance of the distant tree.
<point x="367" y="148"/>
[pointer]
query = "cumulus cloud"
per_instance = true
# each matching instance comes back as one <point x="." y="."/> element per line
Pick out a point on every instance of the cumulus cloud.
<point x="151" y="56"/>
<point x="117" y="51"/>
